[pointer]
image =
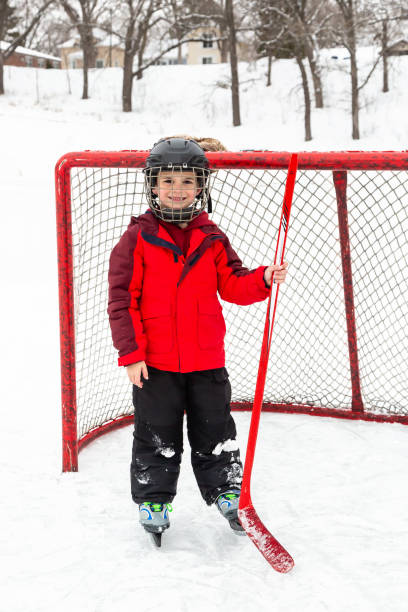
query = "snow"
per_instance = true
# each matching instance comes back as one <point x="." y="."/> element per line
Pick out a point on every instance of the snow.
<point x="227" y="445"/>
<point x="333" y="492"/>
<point x="166" y="451"/>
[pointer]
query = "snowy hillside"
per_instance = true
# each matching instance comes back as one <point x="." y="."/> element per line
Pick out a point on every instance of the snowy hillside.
<point x="333" y="492"/>
<point x="195" y="99"/>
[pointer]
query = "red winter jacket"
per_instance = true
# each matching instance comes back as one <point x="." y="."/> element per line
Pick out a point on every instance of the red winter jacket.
<point x="163" y="307"/>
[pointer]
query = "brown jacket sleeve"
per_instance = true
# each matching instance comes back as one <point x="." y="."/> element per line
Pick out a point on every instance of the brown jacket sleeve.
<point x="125" y="284"/>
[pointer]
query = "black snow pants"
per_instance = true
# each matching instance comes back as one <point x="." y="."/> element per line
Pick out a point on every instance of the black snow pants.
<point x="158" y="435"/>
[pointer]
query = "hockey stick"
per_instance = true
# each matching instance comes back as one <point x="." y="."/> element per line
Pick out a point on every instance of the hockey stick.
<point x="272" y="550"/>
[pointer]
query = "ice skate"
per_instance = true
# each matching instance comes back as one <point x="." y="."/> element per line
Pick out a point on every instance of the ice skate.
<point x="227" y="504"/>
<point x="154" y="518"/>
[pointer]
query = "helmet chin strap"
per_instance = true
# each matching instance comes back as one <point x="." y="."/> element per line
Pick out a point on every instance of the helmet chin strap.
<point x="177" y="215"/>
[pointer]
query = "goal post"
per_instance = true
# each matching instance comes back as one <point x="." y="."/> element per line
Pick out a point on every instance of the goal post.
<point x="342" y="323"/>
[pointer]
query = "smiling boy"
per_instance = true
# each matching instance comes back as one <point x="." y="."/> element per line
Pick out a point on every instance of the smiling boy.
<point x="168" y="327"/>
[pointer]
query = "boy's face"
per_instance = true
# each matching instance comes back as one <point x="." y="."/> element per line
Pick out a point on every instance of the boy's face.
<point x="176" y="189"/>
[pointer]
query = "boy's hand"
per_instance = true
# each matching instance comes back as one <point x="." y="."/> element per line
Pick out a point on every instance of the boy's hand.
<point x="134" y="370"/>
<point x="280" y="273"/>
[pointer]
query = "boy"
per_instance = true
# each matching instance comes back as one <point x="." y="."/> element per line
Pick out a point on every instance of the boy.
<point x="168" y="327"/>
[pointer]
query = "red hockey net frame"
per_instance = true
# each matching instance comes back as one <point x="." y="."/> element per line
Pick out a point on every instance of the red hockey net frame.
<point x="341" y="166"/>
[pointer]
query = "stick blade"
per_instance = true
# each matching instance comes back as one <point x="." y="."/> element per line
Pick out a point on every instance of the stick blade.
<point x="276" y="555"/>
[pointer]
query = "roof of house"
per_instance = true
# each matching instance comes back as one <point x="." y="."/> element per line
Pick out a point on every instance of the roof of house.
<point x="72" y="42"/>
<point x="402" y="41"/>
<point x="105" y="41"/>
<point x="115" y="42"/>
<point x="24" y="51"/>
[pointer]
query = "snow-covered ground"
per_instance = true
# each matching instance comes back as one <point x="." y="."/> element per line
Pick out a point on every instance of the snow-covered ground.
<point x="333" y="492"/>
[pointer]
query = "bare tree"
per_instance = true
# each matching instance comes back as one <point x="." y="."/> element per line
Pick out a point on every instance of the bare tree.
<point x="310" y="18"/>
<point x="282" y="20"/>
<point x="52" y="32"/>
<point x="141" y="52"/>
<point x="306" y="95"/>
<point x="229" y="17"/>
<point x="84" y="16"/>
<point x="224" y="18"/>
<point x="386" y="24"/>
<point x="384" y="52"/>
<point x="282" y="34"/>
<point x="220" y="20"/>
<point x="142" y="15"/>
<point x="10" y="19"/>
<point x="348" y="38"/>
<point x="136" y="24"/>
<point x="355" y="19"/>
<point x="268" y="29"/>
<point x="180" y="21"/>
<point x="179" y="28"/>
<point x="209" y="13"/>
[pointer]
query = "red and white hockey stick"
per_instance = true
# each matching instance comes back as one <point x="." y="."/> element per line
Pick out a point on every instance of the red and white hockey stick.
<point x="272" y="550"/>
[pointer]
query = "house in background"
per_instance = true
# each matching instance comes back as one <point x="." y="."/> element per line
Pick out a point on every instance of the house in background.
<point x="207" y="51"/>
<point x="398" y="48"/>
<point x="27" y="58"/>
<point x="109" y="51"/>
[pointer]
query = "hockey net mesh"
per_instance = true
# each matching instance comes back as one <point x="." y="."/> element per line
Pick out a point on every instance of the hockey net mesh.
<point x="309" y="360"/>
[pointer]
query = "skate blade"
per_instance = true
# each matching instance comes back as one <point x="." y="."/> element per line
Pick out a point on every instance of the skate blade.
<point x="156" y="538"/>
<point x="155" y="533"/>
<point x="237" y="527"/>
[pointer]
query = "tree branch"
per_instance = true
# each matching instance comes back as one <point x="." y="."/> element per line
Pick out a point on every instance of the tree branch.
<point x="370" y="73"/>
<point x="21" y="38"/>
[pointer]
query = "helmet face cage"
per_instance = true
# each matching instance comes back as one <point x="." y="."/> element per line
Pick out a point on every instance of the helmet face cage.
<point x="173" y="199"/>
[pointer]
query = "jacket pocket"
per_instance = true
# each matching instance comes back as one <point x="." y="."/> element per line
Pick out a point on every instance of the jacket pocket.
<point x="211" y="324"/>
<point x="159" y="328"/>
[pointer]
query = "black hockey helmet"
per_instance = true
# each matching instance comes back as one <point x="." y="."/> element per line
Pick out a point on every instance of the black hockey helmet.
<point x="177" y="155"/>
